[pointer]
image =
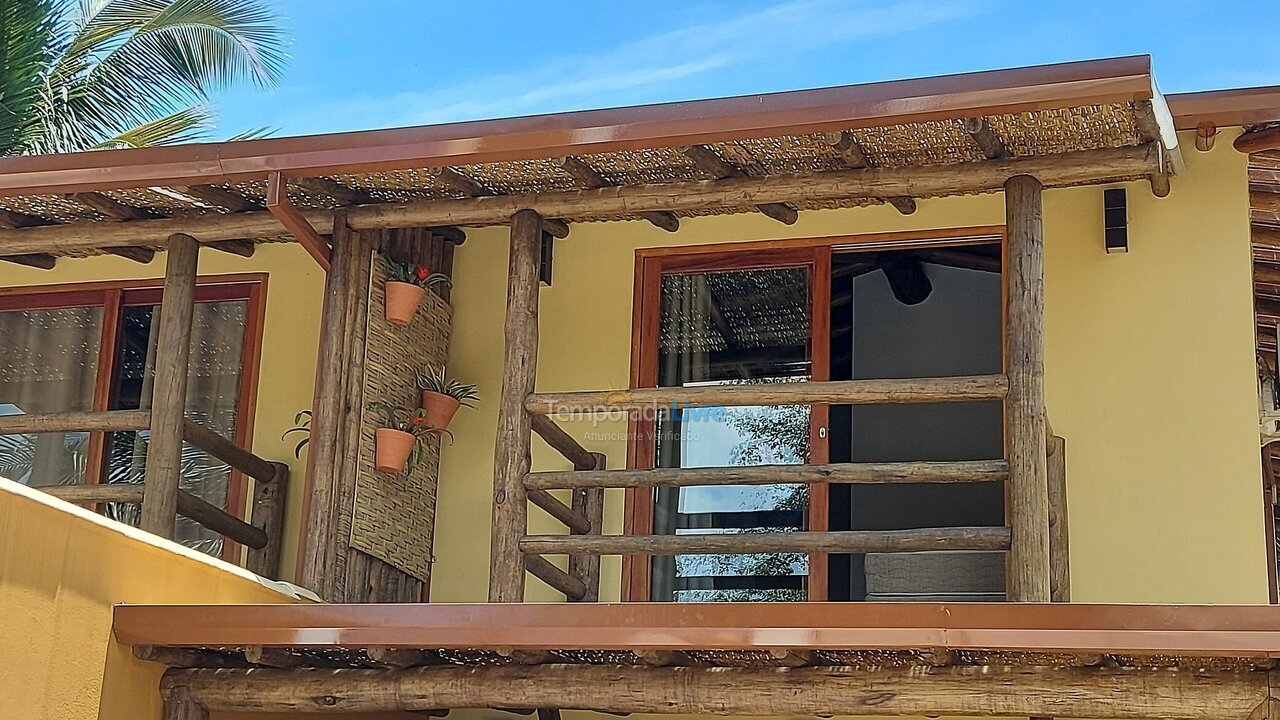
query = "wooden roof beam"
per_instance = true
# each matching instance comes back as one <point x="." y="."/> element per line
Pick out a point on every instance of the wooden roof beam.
<point x="344" y="194"/>
<point x="220" y="197"/>
<point x="1266" y="236"/>
<point x="115" y="211"/>
<point x="963" y="690"/>
<point x="35" y="260"/>
<point x="979" y="130"/>
<point x="110" y="207"/>
<point x="579" y="170"/>
<point x="710" y="162"/>
<point x="10" y="219"/>
<point x="1263" y="200"/>
<point x="302" y="230"/>
<point x="855" y="158"/>
<point x="470" y="187"/>
<point x="1148" y="122"/>
<point x="1258" y="140"/>
<point x="1074" y="168"/>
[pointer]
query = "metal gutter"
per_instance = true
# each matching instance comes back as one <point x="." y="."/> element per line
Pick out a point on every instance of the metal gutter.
<point x="1218" y="630"/>
<point x="1225" y="108"/>
<point x="544" y="136"/>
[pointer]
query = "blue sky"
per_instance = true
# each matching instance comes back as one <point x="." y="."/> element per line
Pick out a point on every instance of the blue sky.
<point x="412" y="62"/>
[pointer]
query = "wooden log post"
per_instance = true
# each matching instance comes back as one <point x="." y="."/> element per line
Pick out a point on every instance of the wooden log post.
<point x="589" y="502"/>
<point x="1059" y="536"/>
<point x="317" y="558"/>
<point x="267" y="514"/>
<point x="169" y="388"/>
<point x="512" y="447"/>
<point x="1027" y="573"/>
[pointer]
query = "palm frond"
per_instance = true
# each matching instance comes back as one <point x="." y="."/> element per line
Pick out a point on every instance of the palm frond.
<point x="129" y="63"/>
<point x="183" y="126"/>
<point x="25" y="28"/>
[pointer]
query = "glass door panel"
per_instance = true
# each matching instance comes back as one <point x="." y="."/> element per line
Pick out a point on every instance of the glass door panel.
<point x="733" y="327"/>
<point x="48" y="363"/>
<point x="213" y="391"/>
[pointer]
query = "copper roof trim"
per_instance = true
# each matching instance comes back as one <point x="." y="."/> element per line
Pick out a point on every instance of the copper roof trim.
<point x="1225" y="108"/>
<point x="1125" y="79"/>
<point x="1229" y="631"/>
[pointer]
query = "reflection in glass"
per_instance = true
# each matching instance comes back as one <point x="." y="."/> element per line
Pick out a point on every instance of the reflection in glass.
<point x="213" y="387"/>
<point x="48" y="362"/>
<point x="734" y="327"/>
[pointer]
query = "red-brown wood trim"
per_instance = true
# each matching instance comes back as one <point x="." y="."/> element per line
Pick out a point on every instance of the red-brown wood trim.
<point x="652" y="263"/>
<point x="96" y="462"/>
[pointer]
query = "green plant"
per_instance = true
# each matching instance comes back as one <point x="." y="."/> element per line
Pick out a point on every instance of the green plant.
<point x="301" y="424"/>
<point x="435" y="380"/>
<point x="126" y="73"/>
<point x="394" y="417"/>
<point x="413" y="274"/>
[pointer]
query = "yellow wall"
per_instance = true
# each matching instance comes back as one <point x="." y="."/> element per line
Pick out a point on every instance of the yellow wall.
<point x="1150" y="376"/>
<point x="290" y="336"/>
<point x="62" y="569"/>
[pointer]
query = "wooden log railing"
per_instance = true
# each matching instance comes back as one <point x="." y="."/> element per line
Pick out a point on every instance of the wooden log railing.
<point x="1034" y="541"/>
<point x="262" y="536"/>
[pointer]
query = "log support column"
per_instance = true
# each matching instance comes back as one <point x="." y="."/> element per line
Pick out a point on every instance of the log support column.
<point x="1027" y="572"/>
<point x="511" y="454"/>
<point x="169" y="388"/>
<point x="318" y="562"/>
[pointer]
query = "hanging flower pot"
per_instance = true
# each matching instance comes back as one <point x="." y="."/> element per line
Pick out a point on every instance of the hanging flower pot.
<point x="439" y="409"/>
<point x="442" y="396"/>
<point x="402" y="301"/>
<point x="392" y="449"/>
<point x="406" y="285"/>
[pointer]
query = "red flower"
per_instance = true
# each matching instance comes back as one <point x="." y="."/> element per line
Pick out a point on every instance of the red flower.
<point x="422" y="272"/>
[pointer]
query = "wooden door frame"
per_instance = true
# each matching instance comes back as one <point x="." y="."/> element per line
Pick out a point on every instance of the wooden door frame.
<point x="652" y="263"/>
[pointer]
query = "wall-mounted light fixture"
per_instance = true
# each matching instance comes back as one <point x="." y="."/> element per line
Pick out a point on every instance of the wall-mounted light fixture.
<point x="1115" y="220"/>
<point x="544" y="263"/>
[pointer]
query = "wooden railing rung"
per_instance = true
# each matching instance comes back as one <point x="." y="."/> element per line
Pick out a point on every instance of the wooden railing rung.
<point x="189" y="506"/>
<point x="854" y="542"/>
<point x="100" y="421"/>
<point x="227" y="451"/>
<point x="576" y="523"/>
<point x="549" y="573"/>
<point x="220" y="521"/>
<point x="861" y="473"/>
<point x="93" y="494"/>
<point x="561" y="441"/>
<point x="838" y="392"/>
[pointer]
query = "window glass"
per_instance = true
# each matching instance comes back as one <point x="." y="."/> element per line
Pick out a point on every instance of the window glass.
<point x="735" y="327"/>
<point x="213" y="390"/>
<point x="48" y="363"/>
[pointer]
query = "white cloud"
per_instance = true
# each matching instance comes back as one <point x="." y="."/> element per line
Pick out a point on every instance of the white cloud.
<point x="578" y="81"/>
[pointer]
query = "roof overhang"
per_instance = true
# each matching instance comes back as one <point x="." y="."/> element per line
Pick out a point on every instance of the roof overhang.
<point x="1033" y="89"/>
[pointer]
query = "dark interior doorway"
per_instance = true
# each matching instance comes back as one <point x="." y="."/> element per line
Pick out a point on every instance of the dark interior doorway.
<point x="916" y="313"/>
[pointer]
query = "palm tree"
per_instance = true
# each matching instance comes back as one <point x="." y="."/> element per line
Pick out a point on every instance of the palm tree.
<point x="99" y="74"/>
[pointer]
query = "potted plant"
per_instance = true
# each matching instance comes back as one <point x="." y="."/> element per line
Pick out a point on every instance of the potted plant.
<point x="301" y="424"/>
<point x="406" y="284"/>
<point x="398" y="445"/>
<point x="442" y="396"/>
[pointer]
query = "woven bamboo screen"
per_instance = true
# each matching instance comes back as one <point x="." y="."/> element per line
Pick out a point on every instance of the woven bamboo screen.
<point x="394" y="515"/>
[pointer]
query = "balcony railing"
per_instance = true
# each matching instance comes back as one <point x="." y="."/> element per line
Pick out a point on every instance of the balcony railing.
<point x="588" y="480"/>
<point x="262" y="535"/>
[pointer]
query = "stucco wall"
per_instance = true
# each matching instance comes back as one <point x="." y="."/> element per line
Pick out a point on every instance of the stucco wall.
<point x="1149" y="377"/>
<point x="62" y="569"/>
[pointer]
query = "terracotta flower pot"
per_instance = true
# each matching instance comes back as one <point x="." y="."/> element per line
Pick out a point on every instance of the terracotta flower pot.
<point x="402" y="301"/>
<point x="439" y="409"/>
<point x="392" y="449"/>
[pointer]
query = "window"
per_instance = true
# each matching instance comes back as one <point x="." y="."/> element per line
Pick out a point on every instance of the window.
<point x="92" y="347"/>
<point x="890" y="307"/>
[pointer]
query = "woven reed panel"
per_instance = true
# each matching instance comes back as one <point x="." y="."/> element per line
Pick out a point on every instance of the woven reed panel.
<point x="394" y="515"/>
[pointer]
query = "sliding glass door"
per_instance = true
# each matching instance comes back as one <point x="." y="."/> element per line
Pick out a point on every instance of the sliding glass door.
<point x="716" y="324"/>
